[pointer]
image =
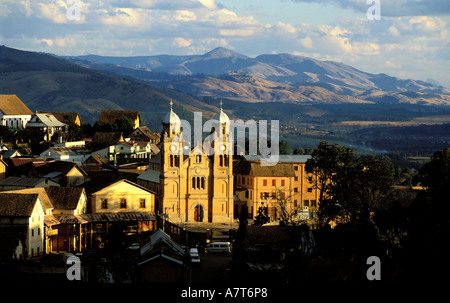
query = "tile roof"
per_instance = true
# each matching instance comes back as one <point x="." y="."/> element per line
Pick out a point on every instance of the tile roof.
<point x="17" y="205"/>
<point x="46" y="202"/>
<point x="255" y="169"/>
<point x="64" y="197"/>
<point x="12" y="105"/>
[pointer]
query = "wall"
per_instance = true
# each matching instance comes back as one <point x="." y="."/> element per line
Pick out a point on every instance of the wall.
<point x="122" y="190"/>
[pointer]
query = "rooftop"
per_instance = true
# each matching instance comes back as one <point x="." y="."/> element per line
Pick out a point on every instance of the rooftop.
<point x="12" y="105"/>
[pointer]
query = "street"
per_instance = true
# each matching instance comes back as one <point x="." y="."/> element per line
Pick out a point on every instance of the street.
<point x="212" y="268"/>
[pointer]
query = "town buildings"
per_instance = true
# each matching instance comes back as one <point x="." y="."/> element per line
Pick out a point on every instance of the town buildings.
<point x="74" y="196"/>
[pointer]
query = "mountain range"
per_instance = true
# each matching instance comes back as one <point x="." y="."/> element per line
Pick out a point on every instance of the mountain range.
<point x="223" y="73"/>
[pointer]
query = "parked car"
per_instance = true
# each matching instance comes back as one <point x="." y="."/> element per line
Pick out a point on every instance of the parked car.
<point x="195" y="257"/>
<point x="218" y="247"/>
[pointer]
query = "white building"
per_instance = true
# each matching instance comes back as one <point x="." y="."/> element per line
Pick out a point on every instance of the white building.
<point x="75" y="154"/>
<point x="25" y="212"/>
<point x="13" y="112"/>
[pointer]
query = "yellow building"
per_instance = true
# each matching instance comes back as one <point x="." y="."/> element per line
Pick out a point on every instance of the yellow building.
<point x="264" y="186"/>
<point x="196" y="187"/>
<point x="123" y="196"/>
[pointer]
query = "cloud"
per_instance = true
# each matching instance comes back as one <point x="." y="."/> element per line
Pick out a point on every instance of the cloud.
<point x="181" y="42"/>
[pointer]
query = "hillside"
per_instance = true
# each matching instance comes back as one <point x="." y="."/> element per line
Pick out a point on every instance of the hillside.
<point x="47" y="83"/>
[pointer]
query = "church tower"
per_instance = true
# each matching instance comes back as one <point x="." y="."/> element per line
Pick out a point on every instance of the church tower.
<point x="222" y="203"/>
<point x="171" y="166"/>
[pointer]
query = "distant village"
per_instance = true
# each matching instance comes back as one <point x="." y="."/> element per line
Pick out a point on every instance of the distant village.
<point x="136" y="191"/>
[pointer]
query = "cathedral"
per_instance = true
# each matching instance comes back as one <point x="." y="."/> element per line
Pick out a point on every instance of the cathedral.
<point x="193" y="186"/>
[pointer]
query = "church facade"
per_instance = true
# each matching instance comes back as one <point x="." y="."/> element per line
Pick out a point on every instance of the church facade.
<point x="194" y="186"/>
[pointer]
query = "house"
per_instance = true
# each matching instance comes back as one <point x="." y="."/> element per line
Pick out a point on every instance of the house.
<point x="48" y="124"/>
<point x="72" y="232"/>
<point x="67" y="117"/>
<point x="10" y="153"/>
<point x="20" y="166"/>
<point x="162" y="260"/>
<point x="67" y="200"/>
<point x="22" y="218"/>
<point x="49" y="220"/>
<point x="259" y="185"/>
<point x="143" y="133"/>
<point x="101" y="142"/>
<point x="264" y="186"/>
<point x="110" y="116"/>
<point x="13" y="112"/>
<point x="13" y="183"/>
<point x="94" y="162"/>
<point x="62" y="172"/>
<point x="123" y="196"/>
<point x="76" y="154"/>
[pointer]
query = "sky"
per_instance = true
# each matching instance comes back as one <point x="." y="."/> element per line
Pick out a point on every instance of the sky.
<point x="410" y="40"/>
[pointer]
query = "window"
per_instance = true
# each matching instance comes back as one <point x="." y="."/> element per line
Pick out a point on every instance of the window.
<point x="246" y="193"/>
<point x="274" y="182"/>
<point x="295" y="167"/>
<point x="243" y="180"/>
<point x="198" y="158"/>
<point x="295" y="203"/>
<point x="32" y="232"/>
<point x="104" y="203"/>
<point x="142" y="202"/>
<point x="264" y="182"/>
<point x="295" y="189"/>
<point x="282" y="182"/>
<point x="310" y="189"/>
<point x="123" y="203"/>
<point x="310" y="179"/>
<point x="295" y="178"/>
<point x="305" y="202"/>
<point x="313" y="203"/>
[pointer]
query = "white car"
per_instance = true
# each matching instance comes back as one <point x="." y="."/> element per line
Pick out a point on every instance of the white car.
<point x="218" y="247"/>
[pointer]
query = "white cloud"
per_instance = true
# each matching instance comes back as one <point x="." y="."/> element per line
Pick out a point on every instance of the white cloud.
<point x="181" y="42"/>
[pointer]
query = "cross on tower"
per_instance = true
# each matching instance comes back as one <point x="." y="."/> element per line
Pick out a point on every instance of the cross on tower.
<point x="220" y="104"/>
<point x="171" y="103"/>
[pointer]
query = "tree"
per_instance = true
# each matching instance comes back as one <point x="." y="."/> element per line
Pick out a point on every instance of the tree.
<point x="324" y="164"/>
<point x="285" y="147"/>
<point x="435" y="177"/>
<point x="285" y="208"/>
<point x="351" y="189"/>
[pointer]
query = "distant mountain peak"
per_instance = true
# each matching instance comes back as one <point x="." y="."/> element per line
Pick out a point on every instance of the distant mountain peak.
<point x="222" y="52"/>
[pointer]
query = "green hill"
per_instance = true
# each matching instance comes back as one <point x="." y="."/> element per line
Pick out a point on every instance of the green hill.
<point x="47" y="83"/>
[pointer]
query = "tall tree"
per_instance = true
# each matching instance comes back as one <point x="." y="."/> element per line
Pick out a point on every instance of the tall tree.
<point x="324" y="164"/>
<point x="351" y="189"/>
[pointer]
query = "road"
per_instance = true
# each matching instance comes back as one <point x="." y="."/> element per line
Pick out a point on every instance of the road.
<point x="212" y="268"/>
